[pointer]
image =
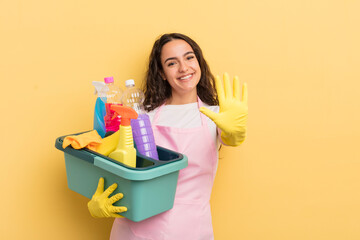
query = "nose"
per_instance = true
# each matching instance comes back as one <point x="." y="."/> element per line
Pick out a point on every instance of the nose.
<point x="183" y="67"/>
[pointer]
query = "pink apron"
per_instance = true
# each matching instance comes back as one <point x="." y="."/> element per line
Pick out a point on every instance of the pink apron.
<point x="190" y="218"/>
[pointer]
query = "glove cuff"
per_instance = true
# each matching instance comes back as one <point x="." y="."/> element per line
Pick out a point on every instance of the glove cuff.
<point x="233" y="140"/>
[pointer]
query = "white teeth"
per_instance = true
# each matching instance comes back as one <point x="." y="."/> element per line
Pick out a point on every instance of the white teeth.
<point x="186" y="77"/>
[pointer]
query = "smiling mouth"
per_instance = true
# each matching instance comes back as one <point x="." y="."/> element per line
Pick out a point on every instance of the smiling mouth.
<point x="186" y="77"/>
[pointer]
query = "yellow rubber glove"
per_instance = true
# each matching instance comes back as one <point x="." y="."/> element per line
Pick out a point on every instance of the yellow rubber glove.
<point x="232" y="116"/>
<point x="101" y="205"/>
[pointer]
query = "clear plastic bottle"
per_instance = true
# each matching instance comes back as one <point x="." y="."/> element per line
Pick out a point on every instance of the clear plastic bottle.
<point x="113" y="97"/>
<point x="142" y="132"/>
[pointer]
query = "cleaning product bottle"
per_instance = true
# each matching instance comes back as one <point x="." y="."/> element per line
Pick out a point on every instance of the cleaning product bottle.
<point x="113" y="97"/>
<point x="143" y="134"/>
<point x="125" y="151"/>
<point x="99" y="111"/>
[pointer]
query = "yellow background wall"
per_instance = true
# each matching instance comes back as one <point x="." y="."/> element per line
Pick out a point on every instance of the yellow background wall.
<point x="296" y="177"/>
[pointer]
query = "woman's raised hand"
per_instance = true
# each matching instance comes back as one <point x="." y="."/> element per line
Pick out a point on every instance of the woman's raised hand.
<point x="232" y="116"/>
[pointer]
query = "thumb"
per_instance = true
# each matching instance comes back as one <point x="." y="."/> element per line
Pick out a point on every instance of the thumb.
<point x="100" y="187"/>
<point x="210" y="114"/>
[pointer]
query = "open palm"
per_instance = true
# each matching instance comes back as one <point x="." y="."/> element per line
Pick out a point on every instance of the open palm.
<point x="232" y="116"/>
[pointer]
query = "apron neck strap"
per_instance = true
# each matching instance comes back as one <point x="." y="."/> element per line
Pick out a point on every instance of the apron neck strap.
<point x="157" y="114"/>
<point x="203" y="117"/>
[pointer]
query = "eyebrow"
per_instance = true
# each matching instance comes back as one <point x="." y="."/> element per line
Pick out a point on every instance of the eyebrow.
<point x="173" y="58"/>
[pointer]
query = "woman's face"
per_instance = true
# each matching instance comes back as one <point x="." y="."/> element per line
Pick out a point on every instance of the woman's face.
<point x="181" y="67"/>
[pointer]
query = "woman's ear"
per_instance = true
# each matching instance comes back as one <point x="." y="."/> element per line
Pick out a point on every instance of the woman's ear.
<point x="162" y="75"/>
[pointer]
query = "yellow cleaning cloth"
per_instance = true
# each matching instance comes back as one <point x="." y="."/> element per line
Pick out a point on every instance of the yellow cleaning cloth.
<point x="91" y="140"/>
<point x="109" y="144"/>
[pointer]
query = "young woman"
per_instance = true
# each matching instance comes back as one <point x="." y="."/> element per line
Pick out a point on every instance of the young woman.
<point x="190" y="117"/>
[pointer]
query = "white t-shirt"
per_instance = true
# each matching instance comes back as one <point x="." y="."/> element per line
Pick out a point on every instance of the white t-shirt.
<point x="185" y="116"/>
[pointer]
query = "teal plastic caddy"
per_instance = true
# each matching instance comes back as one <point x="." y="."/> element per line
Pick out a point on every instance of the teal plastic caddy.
<point x="149" y="189"/>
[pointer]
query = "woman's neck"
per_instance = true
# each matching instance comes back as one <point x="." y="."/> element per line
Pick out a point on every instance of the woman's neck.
<point x="179" y="99"/>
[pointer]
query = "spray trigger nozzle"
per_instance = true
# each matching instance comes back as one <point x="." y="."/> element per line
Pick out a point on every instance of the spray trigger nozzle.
<point x="126" y="113"/>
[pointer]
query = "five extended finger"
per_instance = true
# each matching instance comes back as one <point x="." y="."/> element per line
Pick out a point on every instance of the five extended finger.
<point x="236" y="88"/>
<point x="118" y="209"/>
<point x="227" y="86"/>
<point x="219" y="88"/>
<point x="100" y="187"/>
<point x="210" y="114"/>
<point x="110" y="189"/>
<point x="116" y="198"/>
<point x="244" y="93"/>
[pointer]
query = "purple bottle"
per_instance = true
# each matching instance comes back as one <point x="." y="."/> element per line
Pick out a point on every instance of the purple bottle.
<point x="141" y="127"/>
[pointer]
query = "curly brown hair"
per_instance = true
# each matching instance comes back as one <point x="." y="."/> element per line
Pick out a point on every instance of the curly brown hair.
<point x="157" y="90"/>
